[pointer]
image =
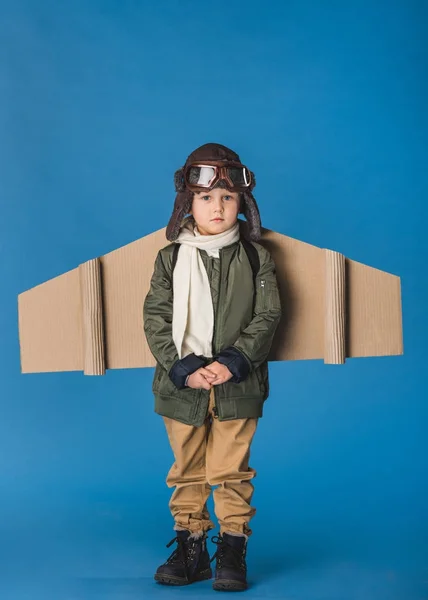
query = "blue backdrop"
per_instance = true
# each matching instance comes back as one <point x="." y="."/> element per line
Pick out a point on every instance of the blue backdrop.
<point x="100" y="102"/>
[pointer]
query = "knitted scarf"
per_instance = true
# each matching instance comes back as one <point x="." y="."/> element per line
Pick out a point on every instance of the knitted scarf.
<point x="193" y="312"/>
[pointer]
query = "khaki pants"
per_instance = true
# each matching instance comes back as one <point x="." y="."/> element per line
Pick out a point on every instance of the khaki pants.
<point x="215" y="454"/>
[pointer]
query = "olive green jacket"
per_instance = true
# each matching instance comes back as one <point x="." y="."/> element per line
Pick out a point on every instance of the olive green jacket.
<point x="242" y="338"/>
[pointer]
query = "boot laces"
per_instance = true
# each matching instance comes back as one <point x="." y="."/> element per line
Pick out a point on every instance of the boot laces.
<point x="228" y="556"/>
<point x="183" y="553"/>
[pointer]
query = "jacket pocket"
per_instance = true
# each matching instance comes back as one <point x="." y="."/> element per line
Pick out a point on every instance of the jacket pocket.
<point x="269" y="295"/>
<point x="163" y="385"/>
<point x="263" y="293"/>
<point x="263" y="377"/>
<point x="251" y="386"/>
<point x="185" y="408"/>
<point x="157" y="378"/>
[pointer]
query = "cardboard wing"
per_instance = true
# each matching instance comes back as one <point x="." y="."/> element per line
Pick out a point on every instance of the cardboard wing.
<point x="91" y="318"/>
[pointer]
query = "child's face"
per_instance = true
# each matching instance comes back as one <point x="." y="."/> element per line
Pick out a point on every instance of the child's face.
<point x="219" y="203"/>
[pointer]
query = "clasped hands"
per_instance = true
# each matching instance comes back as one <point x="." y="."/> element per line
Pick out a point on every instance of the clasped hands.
<point x="206" y="377"/>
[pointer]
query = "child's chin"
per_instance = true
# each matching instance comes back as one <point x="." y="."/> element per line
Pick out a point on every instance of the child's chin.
<point x="219" y="228"/>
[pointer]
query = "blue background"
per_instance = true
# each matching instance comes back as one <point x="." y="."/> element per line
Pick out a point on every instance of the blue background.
<point x="100" y="102"/>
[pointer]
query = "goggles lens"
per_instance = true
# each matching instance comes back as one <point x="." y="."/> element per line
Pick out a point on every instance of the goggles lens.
<point x="206" y="175"/>
<point x="239" y="175"/>
<point x="201" y="175"/>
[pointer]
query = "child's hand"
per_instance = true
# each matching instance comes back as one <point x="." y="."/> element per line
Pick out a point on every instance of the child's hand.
<point x="221" y="372"/>
<point x="202" y="378"/>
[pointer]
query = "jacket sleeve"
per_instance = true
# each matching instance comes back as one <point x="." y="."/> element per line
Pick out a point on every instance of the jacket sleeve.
<point x="157" y="316"/>
<point x="252" y="347"/>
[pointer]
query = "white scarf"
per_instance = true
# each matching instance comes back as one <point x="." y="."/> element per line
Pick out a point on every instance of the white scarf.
<point x="193" y="312"/>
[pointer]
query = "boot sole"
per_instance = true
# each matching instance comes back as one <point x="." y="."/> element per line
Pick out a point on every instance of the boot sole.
<point x="165" y="579"/>
<point x="228" y="585"/>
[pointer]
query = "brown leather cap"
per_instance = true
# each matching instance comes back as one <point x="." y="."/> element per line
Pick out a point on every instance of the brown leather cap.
<point x="183" y="200"/>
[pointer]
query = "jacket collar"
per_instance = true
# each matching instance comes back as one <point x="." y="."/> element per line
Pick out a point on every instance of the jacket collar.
<point x="225" y="249"/>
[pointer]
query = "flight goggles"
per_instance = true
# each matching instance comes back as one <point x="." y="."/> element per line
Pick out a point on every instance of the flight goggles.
<point x="204" y="175"/>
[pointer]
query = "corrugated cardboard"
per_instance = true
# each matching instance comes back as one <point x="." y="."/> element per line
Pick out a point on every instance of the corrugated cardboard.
<point x="91" y="318"/>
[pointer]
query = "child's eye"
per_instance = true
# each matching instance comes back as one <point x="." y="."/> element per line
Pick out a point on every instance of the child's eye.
<point x="205" y="197"/>
<point x="227" y="197"/>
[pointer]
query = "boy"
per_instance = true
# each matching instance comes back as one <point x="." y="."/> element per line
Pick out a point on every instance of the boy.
<point x="209" y="319"/>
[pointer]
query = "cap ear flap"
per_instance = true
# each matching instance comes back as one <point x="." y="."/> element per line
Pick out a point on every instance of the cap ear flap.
<point x="241" y="203"/>
<point x="179" y="180"/>
<point x="252" y="214"/>
<point x="182" y="205"/>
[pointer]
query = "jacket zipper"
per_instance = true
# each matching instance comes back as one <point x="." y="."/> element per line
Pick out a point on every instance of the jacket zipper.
<point x="215" y="408"/>
<point x="218" y="304"/>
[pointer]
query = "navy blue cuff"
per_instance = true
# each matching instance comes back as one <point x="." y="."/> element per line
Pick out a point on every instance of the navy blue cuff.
<point x="184" y="367"/>
<point x="236" y="362"/>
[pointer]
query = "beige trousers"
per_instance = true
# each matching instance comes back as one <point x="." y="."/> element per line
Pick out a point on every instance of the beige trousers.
<point x="215" y="454"/>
